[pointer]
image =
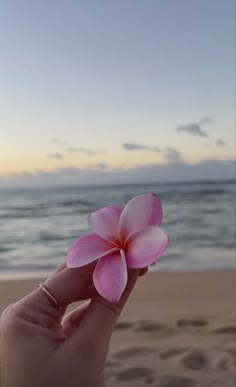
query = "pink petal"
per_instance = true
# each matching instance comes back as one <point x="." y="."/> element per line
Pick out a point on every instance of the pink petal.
<point x="87" y="249"/>
<point x="105" y="222"/>
<point x="141" y="211"/>
<point x="145" y="246"/>
<point x="110" y="276"/>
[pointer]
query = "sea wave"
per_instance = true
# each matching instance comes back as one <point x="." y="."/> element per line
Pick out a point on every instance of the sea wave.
<point x="38" y="226"/>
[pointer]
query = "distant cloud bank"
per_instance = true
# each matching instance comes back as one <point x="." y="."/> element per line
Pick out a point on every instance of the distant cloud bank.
<point x="176" y="170"/>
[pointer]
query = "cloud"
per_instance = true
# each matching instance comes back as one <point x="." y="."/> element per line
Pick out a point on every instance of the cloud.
<point x="172" y="155"/>
<point x="132" y="146"/>
<point x="195" y="128"/>
<point x="58" y="141"/>
<point x="220" y="142"/>
<point x="56" y="156"/>
<point x="55" y="140"/>
<point x="74" y="149"/>
<point x="86" y="151"/>
<point x="101" y="174"/>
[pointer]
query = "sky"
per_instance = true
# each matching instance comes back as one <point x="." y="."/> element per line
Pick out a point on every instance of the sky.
<point x="94" y="91"/>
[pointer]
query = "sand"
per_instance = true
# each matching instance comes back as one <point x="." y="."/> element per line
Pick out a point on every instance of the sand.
<point x="178" y="330"/>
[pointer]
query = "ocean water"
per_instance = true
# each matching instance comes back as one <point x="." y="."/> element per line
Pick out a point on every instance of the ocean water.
<point x="37" y="226"/>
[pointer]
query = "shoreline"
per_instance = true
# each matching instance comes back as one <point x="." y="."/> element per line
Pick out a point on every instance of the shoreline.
<point x="24" y="276"/>
<point x="174" y="260"/>
<point x="34" y="275"/>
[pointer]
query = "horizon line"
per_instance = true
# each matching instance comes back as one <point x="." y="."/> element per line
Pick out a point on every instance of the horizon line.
<point x="135" y="184"/>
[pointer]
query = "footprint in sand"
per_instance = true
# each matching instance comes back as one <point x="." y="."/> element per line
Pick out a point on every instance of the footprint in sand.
<point x="227" y="329"/>
<point x="131" y="373"/>
<point x="195" y="360"/>
<point x="223" y="361"/>
<point x="133" y="351"/>
<point x="111" y="363"/>
<point x="192" y="322"/>
<point x="110" y="369"/>
<point x="109" y="373"/>
<point x="153" y="327"/>
<point x="232" y="352"/>
<point x="175" y="381"/>
<point x="123" y="325"/>
<point x="169" y="353"/>
<point x="149" y="379"/>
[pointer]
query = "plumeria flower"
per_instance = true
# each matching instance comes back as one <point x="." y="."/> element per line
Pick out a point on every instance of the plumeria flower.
<point x="123" y="237"/>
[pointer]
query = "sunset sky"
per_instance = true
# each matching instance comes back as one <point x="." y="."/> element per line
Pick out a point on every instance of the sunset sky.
<point x="115" y="85"/>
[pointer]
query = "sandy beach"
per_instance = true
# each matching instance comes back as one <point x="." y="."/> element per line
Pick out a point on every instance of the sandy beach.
<point x="177" y="330"/>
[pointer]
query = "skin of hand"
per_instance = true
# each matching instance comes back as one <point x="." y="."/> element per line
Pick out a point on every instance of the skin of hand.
<point x="41" y="348"/>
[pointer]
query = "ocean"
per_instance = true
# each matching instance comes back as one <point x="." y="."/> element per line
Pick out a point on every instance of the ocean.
<point x="37" y="226"/>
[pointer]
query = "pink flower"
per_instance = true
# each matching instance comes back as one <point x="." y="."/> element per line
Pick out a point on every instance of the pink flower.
<point x="123" y="237"/>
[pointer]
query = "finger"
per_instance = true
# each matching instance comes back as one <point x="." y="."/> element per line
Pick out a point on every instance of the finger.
<point x="73" y="319"/>
<point x="99" y="320"/>
<point x="67" y="286"/>
<point x="71" y="285"/>
<point x="103" y="313"/>
<point x="143" y="271"/>
<point x="59" y="269"/>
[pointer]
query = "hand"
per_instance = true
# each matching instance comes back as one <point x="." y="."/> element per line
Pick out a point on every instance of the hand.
<point x="40" y="348"/>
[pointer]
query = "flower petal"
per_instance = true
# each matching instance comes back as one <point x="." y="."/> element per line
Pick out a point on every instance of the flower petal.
<point x="141" y="211"/>
<point x="145" y="246"/>
<point x="87" y="249"/>
<point x="110" y="276"/>
<point x="105" y="222"/>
